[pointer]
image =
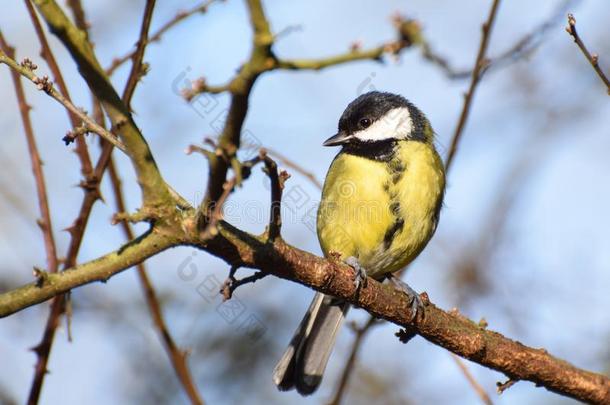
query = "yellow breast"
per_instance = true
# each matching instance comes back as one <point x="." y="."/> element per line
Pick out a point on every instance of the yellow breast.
<point x="382" y="213"/>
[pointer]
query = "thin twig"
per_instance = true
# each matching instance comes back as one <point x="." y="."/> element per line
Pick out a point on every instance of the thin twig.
<point x="351" y="360"/>
<point x="479" y="65"/>
<point x="177" y="356"/>
<point x="521" y="49"/>
<point x="592" y="58"/>
<point x="137" y="69"/>
<point x="45" y="85"/>
<point x="505" y="385"/>
<point x="47" y="54"/>
<point x="43" y="203"/>
<point x="480" y="391"/>
<point x="294" y="166"/>
<point x="231" y="283"/>
<point x="60" y="303"/>
<point x="155" y="37"/>
<point x="277" y="186"/>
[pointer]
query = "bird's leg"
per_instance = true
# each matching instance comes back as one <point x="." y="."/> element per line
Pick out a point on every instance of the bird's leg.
<point x="417" y="305"/>
<point x="360" y="277"/>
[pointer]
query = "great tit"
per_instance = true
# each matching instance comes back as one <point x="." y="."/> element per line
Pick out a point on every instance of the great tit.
<point x="380" y="206"/>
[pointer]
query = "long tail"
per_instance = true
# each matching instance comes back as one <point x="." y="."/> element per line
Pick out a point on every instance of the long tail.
<point x="304" y="361"/>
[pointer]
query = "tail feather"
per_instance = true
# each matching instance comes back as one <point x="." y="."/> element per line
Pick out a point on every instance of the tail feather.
<point x="284" y="371"/>
<point x="304" y="361"/>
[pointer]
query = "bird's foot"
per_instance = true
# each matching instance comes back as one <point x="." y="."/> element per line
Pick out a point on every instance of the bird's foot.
<point x="360" y="276"/>
<point x="417" y="305"/>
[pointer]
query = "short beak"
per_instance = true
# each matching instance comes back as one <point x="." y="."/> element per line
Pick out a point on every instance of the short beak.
<point x="338" y="139"/>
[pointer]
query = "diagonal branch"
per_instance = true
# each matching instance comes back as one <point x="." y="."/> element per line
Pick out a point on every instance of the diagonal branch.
<point x="49" y="285"/>
<point x="449" y="330"/>
<point x="592" y="58"/>
<point x="479" y="66"/>
<point x="26" y="69"/>
<point x="137" y="68"/>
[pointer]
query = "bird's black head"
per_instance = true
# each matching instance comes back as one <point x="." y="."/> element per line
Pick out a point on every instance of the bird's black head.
<point x="378" y="117"/>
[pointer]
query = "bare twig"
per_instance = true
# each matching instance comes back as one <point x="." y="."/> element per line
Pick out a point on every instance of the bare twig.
<point x="294" y="166"/>
<point x="479" y="65"/>
<point x="177" y="356"/>
<point x="76" y="122"/>
<point x="359" y="332"/>
<point x="277" y="186"/>
<point x="480" y="391"/>
<point x="231" y="283"/>
<point x="137" y="68"/>
<point x="45" y="85"/>
<point x="522" y="48"/>
<point x="155" y="37"/>
<point x="451" y="331"/>
<point x="592" y="58"/>
<point x="505" y="385"/>
<point x="43" y="203"/>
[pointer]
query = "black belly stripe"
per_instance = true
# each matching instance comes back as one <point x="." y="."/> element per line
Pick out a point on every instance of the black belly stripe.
<point x="396" y="227"/>
<point x="396" y="169"/>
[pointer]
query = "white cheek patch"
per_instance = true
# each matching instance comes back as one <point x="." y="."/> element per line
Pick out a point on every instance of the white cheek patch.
<point x="396" y="124"/>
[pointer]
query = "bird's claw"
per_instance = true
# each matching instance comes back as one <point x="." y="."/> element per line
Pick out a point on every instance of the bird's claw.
<point x="360" y="276"/>
<point x="415" y="301"/>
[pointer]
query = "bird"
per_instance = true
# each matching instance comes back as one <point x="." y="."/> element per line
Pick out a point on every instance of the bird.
<point x="380" y="206"/>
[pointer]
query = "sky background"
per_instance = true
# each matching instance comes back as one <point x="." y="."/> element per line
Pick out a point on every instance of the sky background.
<point x="522" y="240"/>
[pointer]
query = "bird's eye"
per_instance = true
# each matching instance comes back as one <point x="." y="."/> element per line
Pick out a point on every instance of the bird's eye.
<point x="365" y="122"/>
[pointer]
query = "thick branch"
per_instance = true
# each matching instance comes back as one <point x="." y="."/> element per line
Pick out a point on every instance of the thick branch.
<point x="451" y="331"/>
<point x="50" y="285"/>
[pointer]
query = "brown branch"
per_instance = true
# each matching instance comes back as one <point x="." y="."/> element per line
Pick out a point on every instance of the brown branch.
<point x="43" y="203"/>
<point x="592" y="58"/>
<point x="92" y="193"/>
<point x="156" y="36"/>
<point x="177" y="356"/>
<point x="137" y="68"/>
<point x="277" y="186"/>
<point x="505" y="385"/>
<point x="478" y="389"/>
<point x="359" y="332"/>
<point x="41" y="189"/>
<point x="59" y="303"/>
<point x="449" y="330"/>
<point x="479" y="65"/>
<point x="231" y="283"/>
